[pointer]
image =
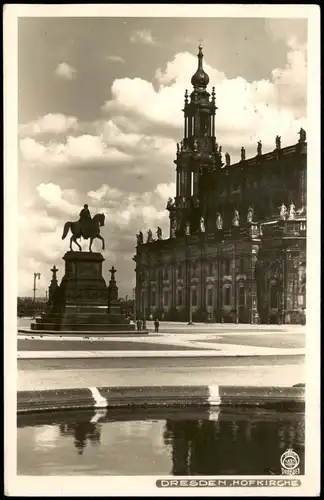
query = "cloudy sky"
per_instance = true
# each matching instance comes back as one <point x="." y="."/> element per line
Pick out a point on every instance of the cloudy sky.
<point x="100" y="103"/>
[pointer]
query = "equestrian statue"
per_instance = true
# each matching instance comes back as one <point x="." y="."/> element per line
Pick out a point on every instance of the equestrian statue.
<point x="86" y="227"/>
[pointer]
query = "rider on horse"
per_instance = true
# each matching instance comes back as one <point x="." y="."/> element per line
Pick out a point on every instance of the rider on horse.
<point x="85" y="227"/>
<point x="85" y="218"/>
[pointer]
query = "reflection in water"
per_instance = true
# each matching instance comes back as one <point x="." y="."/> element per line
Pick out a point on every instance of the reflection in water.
<point x="232" y="446"/>
<point x="82" y="432"/>
<point x="240" y="442"/>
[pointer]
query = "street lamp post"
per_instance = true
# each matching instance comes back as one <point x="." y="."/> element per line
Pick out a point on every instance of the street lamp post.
<point x="190" y="305"/>
<point x="36" y="276"/>
<point x="188" y="283"/>
<point x="144" y="312"/>
<point x="134" y="304"/>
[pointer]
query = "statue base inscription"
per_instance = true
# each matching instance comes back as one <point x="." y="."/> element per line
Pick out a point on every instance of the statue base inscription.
<point x="83" y="302"/>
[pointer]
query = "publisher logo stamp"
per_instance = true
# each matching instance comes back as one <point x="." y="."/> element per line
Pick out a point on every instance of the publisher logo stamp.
<point x="289" y="463"/>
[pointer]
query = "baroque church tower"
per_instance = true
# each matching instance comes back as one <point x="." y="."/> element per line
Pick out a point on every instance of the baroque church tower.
<point x="236" y="250"/>
<point x="197" y="155"/>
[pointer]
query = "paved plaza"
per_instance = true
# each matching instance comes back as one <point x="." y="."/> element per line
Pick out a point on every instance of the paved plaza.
<point x="184" y="355"/>
<point x="226" y="338"/>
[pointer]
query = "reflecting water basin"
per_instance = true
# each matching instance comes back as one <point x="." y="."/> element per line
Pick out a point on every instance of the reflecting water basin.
<point x="225" y="441"/>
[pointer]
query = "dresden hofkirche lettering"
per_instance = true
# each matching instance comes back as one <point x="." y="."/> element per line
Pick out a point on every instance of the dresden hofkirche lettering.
<point x="236" y="248"/>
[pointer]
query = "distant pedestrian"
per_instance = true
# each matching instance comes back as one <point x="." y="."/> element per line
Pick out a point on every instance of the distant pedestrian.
<point x="156" y="325"/>
<point x="138" y="324"/>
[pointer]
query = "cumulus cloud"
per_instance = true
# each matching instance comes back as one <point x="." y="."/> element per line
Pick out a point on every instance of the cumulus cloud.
<point x="142" y="36"/>
<point x="53" y="196"/>
<point x="117" y="59"/>
<point x="52" y="123"/>
<point x="40" y="246"/>
<point x="266" y="108"/>
<point x="74" y="151"/>
<point x="166" y="191"/>
<point x="291" y="82"/>
<point x="180" y="70"/>
<point x="114" y="136"/>
<point x="105" y="191"/>
<point x="135" y="210"/>
<point x="130" y="209"/>
<point x="65" y="71"/>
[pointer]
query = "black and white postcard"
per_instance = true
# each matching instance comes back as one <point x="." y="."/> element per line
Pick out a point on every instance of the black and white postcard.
<point x="162" y="250"/>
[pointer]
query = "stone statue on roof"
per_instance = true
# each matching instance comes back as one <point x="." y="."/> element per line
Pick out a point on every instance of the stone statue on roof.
<point x="283" y="211"/>
<point x="292" y="211"/>
<point x="302" y="135"/>
<point x="149" y="236"/>
<point x="170" y="203"/>
<point x="219" y="222"/>
<point x="250" y="214"/>
<point x="236" y="218"/>
<point x="139" y="237"/>
<point x="243" y="154"/>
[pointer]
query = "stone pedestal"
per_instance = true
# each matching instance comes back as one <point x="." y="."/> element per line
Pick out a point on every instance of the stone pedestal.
<point x="83" y="302"/>
<point x="84" y="291"/>
<point x="83" y="283"/>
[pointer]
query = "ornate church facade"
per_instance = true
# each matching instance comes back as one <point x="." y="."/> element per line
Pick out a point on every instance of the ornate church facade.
<point x="236" y="250"/>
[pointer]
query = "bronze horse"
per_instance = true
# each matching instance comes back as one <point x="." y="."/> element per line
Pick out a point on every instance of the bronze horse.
<point x="92" y="230"/>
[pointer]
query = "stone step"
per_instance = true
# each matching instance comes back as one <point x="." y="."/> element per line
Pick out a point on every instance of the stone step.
<point x="82" y="327"/>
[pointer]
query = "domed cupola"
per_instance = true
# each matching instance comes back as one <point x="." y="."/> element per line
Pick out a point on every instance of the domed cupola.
<point x="200" y="79"/>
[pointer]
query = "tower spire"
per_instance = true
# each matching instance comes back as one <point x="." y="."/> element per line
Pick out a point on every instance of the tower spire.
<point x="196" y="155"/>
<point x="200" y="79"/>
<point x="200" y="56"/>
